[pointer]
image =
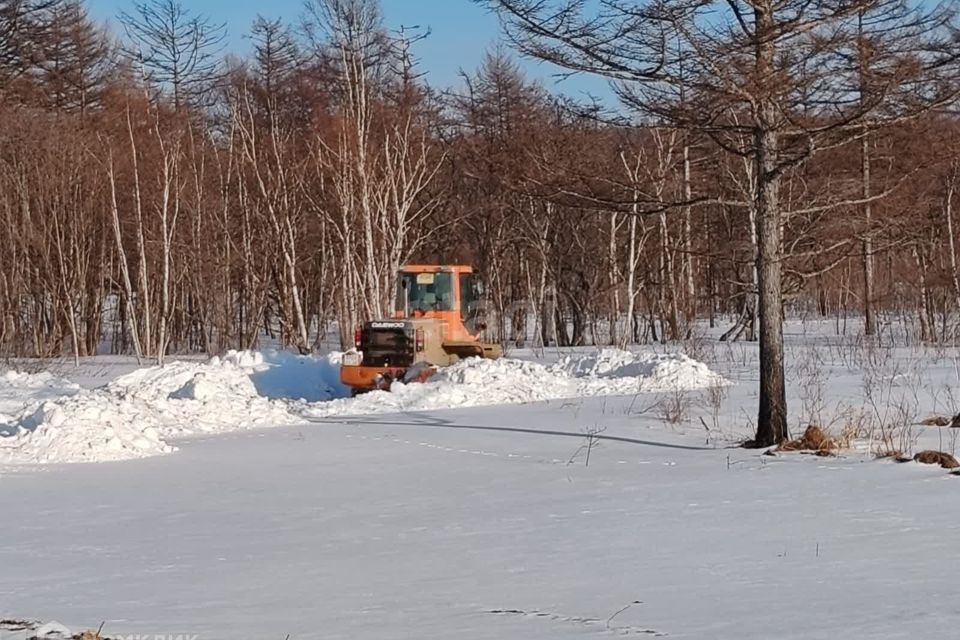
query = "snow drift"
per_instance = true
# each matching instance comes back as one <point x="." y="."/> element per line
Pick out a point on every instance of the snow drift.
<point x="629" y="372"/>
<point x="475" y="382"/>
<point x="18" y="389"/>
<point x="135" y="415"/>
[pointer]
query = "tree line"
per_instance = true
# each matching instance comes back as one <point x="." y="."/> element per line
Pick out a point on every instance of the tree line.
<point x="160" y="194"/>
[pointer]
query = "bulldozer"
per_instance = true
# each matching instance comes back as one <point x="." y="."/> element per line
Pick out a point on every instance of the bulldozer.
<point x="436" y="322"/>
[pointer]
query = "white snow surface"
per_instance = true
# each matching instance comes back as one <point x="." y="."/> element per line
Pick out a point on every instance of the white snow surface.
<point x="138" y="414"/>
<point x="575" y="519"/>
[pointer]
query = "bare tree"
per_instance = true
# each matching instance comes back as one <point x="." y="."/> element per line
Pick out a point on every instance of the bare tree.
<point x="784" y="67"/>
<point x="20" y="24"/>
<point x="379" y="158"/>
<point x="73" y="57"/>
<point x="177" y="50"/>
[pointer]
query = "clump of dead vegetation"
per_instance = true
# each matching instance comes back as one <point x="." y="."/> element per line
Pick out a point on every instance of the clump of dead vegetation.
<point x="941" y="458"/>
<point x="814" y="440"/>
<point x="942" y="421"/>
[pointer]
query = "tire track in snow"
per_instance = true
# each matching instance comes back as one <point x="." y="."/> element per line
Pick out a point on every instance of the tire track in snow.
<point x="620" y="630"/>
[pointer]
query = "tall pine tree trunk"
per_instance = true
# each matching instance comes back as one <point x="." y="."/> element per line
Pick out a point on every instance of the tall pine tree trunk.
<point x="772" y="417"/>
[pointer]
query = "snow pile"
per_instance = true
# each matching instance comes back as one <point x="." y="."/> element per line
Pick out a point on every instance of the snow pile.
<point x="18" y="389"/>
<point x="651" y="371"/>
<point x="52" y="420"/>
<point x="43" y="380"/>
<point x="133" y="415"/>
<point x="476" y="382"/>
<point x="188" y="398"/>
<point x="88" y="427"/>
<point x="612" y="363"/>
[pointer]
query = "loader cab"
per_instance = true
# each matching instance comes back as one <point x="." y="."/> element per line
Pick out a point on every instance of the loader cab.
<point x="448" y="293"/>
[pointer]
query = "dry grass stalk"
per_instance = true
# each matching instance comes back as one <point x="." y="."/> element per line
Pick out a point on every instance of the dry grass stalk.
<point x="890" y="453"/>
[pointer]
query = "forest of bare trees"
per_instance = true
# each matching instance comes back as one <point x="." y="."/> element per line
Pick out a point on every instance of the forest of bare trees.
<point x="160" y="194"/>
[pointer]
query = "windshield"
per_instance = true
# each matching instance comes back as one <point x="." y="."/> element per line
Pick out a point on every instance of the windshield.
<point x="425" y="292"/>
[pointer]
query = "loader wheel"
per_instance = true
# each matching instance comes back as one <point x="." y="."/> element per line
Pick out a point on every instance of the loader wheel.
<point x="419" y="372"/>
<point x="424" y="374"/>
<point x="384" y="382"/>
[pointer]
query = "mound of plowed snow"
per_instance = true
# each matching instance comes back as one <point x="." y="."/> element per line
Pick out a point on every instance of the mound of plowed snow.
<point x="135" y="415"/>
<point x="88" y="427"/>
<point x="653" y="371"/>
<point x="18" y="389"/>
<point x="477" y="382"/>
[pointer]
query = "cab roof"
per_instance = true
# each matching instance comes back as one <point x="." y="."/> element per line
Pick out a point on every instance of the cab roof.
<point x="436" y="268"/>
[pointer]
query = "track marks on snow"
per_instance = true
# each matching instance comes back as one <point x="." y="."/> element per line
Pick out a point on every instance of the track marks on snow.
<point x="473" y="452"/>
<point x="516" y="457"/>
<point x="603" y="626"/>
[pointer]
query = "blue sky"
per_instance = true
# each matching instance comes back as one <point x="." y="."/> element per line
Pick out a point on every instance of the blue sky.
<point x="461" y="32"/>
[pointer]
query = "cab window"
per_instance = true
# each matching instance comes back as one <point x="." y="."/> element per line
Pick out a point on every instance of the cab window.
<point x="468" y="296"/>
<point x="425" y="292"/>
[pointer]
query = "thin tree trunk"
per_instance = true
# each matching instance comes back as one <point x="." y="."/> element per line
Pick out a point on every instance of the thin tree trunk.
<point x="869" y="319"/>
<point x="948" y="210"/>
<point x="131" y="316"/>
<point x="923" y="305"/>
<point x="144" y="301"/>
<point x="687" y="243"/>
<point x="614" y="279"/>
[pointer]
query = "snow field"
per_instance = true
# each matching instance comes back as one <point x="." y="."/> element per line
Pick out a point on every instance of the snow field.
<point x="483" y="525"/>
<point x="494" y="522"/>
<point x="48" y="420"/>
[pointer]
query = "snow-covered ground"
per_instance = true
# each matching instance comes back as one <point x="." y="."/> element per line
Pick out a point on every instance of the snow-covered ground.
<point x="577" y="495"/>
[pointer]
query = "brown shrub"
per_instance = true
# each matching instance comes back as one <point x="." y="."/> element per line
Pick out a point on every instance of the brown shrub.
<point x="945" y="460"/>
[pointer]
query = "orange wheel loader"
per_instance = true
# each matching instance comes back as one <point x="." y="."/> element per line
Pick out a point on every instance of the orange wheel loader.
<point x="436" y="322"/>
